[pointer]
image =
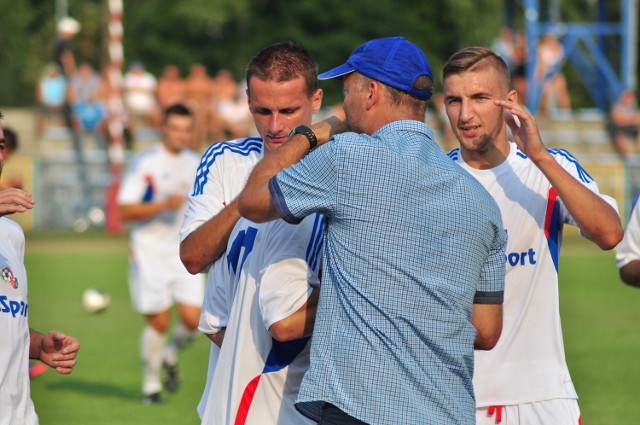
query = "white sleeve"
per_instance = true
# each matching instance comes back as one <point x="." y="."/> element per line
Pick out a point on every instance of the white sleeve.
<point x="206" y="198"/>
<point x="215" y="310"/>
<point x="134" y="183"/>
<point x="287" y="278"/>
<point x="628" y="249"/>
<point x="573" y="167"/>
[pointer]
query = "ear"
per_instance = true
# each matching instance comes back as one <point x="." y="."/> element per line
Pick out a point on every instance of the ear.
<point x="373" y="91"/>
<point x="316" y="100"/>
<point x="512" y="96"/>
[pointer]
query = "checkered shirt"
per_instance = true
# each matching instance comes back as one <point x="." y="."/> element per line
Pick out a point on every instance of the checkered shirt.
<point x="412" y="242"/>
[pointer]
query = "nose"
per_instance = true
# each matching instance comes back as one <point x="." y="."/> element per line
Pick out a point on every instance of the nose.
<point x="466" y="112"/>
<point x="275" y="123"/>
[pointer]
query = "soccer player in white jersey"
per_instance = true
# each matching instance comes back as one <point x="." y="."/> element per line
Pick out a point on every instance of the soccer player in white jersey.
<point x="283" y="93"/>
<point x="524" y="379"/>
<point x="19" y="343"/>
<point x="153" y="199"/>
<point x="274" y="273"/>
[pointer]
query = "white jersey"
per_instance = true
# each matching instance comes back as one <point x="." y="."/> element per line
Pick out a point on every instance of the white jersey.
<point x="154" y="175"/>
<point x="628" y="249"/>
<point x="16" y="407"/>
<point x="223" y="171"/>
<point x="528" y="363"/>
<point x="274" y="266"/>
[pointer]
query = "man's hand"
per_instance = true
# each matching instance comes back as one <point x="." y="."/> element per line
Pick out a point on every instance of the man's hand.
<point x="59" y="351"/>
<point x="14" y="200"/>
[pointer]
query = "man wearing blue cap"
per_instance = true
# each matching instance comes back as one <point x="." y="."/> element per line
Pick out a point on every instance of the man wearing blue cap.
<point x="413" y="275"/>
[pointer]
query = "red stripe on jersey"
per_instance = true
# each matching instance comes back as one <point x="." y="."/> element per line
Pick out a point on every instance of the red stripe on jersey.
<point x="551" y="203"/>
<point x="245" y="401"/>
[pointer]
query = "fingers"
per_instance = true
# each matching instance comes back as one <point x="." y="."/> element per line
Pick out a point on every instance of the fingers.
<point x="14" y="200"/>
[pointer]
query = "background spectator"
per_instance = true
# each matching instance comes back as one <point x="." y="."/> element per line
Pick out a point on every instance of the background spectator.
<point x="51" y="93"/>
<point x="624" y="121"/>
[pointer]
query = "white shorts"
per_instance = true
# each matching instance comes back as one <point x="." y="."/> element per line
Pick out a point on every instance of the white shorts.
<point x="561" y="411"/>
<point x="157" y="282"/>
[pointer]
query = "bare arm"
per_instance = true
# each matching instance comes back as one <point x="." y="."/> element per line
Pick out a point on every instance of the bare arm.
<point x="300" y="323"/>
<point x="146" y="210"/>
<point x="255" y="201"/>
<point x="54" y="349"/>
<point x="208" y="242"/>
<point x="487" y="319"/>
<point x="598" y="220"/>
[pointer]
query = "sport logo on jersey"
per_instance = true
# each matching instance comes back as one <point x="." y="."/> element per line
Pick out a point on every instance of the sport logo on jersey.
<point x="9" y="278"/>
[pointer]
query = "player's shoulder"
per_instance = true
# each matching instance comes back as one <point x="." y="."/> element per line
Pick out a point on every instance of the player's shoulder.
<point x="455" y="154"/>
<point x="242" y="147"/>
<point x="145" y="155"/>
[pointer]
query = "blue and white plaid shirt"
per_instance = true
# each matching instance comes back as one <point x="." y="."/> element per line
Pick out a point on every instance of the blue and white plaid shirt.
<point x="412" y="242"/>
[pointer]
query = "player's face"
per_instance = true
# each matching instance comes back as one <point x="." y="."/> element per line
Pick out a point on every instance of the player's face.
<point x="178" y="132"/>
<point x="475" y="120"/>
<point x="277" y="107"/>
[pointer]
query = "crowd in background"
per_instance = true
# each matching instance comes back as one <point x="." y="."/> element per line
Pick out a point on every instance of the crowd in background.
<point x="219" y="102"/>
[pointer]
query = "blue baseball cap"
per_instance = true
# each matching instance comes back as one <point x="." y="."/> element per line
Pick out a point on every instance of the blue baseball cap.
<point x="393" y="61"/>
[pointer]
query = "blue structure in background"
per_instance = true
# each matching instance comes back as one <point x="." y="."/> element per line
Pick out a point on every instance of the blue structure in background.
<point x="585" y="46"/>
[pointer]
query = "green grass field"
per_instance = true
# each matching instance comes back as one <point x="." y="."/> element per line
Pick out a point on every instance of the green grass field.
<point x="600" y="318"/>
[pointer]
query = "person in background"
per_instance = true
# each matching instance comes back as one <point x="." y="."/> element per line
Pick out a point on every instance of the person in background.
<point x="51" y="94"/>
<point x="10" y="147"/>
<point x="623" y="123"/>
<point x="152" y="198"/>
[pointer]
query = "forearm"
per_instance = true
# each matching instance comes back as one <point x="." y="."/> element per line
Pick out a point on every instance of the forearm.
<point x="208" y="242"/>
<point x="142" y="211"/>
<point x="299" y="324"/>
<point x="630" y="273"/>
<point x="255" y="201"/>
<point x="597" y="220"/>
<point x="35" y="344"/>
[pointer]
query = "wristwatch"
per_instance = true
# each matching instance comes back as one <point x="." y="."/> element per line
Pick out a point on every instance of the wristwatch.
<point x="308" y="133"/>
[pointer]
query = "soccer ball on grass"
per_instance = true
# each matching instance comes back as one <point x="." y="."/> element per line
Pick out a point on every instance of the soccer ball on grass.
<point x="94" y="300"/>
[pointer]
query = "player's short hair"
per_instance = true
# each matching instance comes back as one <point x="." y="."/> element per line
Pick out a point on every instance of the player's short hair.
<point x="177" y="109"/>
<point x="284" y="61"/>
<point x="474" y="59"/>
<point x="10" y="138"/>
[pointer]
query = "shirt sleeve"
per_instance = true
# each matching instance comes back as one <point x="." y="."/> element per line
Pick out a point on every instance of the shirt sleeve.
<point x="629" y="248"/>
<point x="206" y="198"/>
<point x="491" y="287"/>
<point x="291" y="269"/>
<point x="573" y="167"/>
<point x="308" y="186"/>
<point x="215" y="312"/>
<point x="135" y="184"/>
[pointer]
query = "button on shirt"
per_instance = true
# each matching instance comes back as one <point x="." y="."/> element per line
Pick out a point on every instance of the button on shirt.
<point x="412" y="242"/>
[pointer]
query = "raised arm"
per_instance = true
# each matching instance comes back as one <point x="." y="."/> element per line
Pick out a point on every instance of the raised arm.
<point x="255" y="201"/>
<point x="597" y="220"/>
